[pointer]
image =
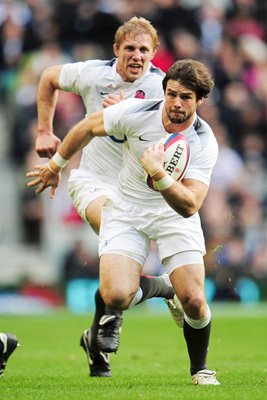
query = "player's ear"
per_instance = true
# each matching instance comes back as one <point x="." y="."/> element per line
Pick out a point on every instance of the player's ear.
<point x="152" y="55"/>
<point x="116" y="49"/>
<point x="200" y="101"/>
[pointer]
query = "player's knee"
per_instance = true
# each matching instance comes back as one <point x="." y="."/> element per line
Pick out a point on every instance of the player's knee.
<point x="194" y="306"/>
<point x="117" y="298"/>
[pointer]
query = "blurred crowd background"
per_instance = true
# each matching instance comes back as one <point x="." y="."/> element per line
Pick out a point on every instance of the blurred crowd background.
<point x="43" y="243"/>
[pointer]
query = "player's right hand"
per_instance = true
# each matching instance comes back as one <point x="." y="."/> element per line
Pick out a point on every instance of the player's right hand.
<point x="44" y="178"/>
<point x="153" y="158"/>
<point x="46" y="145"/>
<point x="112" y="99"/>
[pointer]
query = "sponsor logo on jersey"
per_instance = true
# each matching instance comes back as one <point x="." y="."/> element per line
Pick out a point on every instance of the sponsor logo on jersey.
<point x="140" y="94"/>
<point x="103" y="93"/>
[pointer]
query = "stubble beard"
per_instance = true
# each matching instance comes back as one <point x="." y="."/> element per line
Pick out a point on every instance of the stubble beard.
<point x="175" y="119"/>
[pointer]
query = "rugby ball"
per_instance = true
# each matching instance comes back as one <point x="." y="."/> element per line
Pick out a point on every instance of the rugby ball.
<point x="176" y="157"/>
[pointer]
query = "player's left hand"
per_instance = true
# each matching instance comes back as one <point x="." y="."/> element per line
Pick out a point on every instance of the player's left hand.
<point x="47" y="144"/>
<point x="44" y="178"/>
<point x="112" y="99"/>
<point x="153" y="158"/>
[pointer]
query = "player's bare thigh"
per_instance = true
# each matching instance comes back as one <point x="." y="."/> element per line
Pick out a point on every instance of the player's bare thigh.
<point x="93" y="212"/>
<point x="119" y="279"/>
<point x="188" y="282"/>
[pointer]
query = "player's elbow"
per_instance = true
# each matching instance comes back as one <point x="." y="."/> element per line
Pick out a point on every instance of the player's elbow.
<point x="190" y="207"/>
<point x="51" y="76"/>
<point x="185" y="212"/>
<point x="188" y="212"/>
<point x="186" y="209"/>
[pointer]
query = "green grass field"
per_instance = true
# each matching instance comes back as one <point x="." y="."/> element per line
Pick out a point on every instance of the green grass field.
<point x="152" y="361"/>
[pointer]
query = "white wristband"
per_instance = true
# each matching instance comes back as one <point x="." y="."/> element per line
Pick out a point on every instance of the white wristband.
<point x="164" y="183"/>
<point x="59" y="160"/>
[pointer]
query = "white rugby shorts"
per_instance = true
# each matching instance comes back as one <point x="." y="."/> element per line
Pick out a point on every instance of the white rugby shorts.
<point x="127" y="228"/>
<point x="85" y="186"/>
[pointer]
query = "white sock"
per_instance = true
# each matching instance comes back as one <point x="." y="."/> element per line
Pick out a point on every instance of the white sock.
<point x="166" y="279"/>
<point x="137" y="297"/>
<point x="199" y="323"/>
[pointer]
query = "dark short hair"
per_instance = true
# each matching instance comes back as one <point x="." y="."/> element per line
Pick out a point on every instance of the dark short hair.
<point x="193" y="75"/>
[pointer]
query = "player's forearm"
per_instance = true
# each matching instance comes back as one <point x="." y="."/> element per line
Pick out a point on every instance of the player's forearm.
<point x="76" y="139"/>
<point x="181" y="199"/>
<point x="47" y="99"/>
<point x="46" y="112"/>
<point x="185" y="199"/>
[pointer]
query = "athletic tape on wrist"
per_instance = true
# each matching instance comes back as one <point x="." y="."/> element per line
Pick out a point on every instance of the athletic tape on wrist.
<point x="59" y="160"/>
<point x="164" y="183"/>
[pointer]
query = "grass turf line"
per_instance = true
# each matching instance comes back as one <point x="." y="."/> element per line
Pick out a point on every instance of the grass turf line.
<point x="152" y="361"/>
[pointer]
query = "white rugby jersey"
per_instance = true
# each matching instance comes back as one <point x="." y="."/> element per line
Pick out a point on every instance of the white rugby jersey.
<point x="93" y="80"/>
<point x="140" y="123"/>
